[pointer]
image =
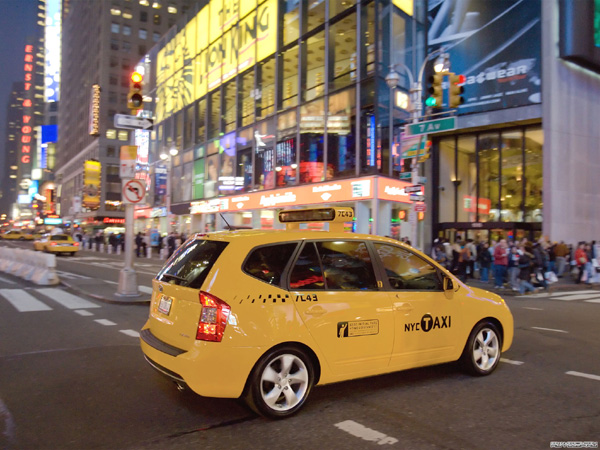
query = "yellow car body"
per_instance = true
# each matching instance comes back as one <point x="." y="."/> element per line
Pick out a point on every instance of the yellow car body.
<point x="230" y="308"/>
<point x="58" y="244"/>
<point x="17" y="235"/>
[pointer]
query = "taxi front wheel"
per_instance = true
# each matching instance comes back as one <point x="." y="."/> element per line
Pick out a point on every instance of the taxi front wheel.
<point x="482" y="352"/>
<point x="280" y="383"/>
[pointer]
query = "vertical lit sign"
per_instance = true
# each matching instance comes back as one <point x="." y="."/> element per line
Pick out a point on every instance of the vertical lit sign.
<point x="52" y="48"/>
<point x="94" y="127"/>
<point x="28" y="123"/>
<point x="91" y="184"/>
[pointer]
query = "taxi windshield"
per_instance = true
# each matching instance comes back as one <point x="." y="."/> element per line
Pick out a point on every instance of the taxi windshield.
<point x="191" y="263"/>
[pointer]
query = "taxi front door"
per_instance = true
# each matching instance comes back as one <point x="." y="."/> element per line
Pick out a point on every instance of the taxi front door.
<point x="348" y="316"/>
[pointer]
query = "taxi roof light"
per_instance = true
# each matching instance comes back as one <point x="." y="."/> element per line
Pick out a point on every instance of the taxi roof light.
<point x="335" y="215"/>
<point x="213" y="318"/>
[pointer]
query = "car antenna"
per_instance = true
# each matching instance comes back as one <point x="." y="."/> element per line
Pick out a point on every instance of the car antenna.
<point x="228" y="226"/>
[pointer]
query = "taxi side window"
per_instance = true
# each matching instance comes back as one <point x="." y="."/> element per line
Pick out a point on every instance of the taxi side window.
<point x="405" y="270"/>
<point x="307" y="273"/>
<point x="268" y="263"/>
<point x="347" y="265"/>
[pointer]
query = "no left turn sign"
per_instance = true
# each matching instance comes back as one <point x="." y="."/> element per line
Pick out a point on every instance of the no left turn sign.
<point x="133" y="191"/>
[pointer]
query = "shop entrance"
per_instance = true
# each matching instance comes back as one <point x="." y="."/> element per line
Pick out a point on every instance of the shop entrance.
<point x="488" y="231"/>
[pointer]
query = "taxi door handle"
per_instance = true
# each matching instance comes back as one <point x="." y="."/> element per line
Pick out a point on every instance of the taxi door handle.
<point x="315" y="311"/>
<point x="403" y="307"/>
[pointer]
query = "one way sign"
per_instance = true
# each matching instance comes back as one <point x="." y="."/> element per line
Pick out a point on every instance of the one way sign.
<point x="133" y="122"/>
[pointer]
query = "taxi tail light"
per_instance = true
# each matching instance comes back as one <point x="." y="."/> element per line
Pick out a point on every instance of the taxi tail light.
<point x="76" y="244"/>
<point x="52" y="244"/>
<point x="213" y="318"/>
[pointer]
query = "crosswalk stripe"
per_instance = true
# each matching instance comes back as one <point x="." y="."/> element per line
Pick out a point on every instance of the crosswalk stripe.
<point x="145" y="289"/>
<point x="66" y="299"/>
<point x="561" y="293"/>
<point x="593" y="301"/>
<point x="105" y="322"/>
<point x="4" y="280"/>
<point x="578" y="297"/>
<point x="23" y="301"/>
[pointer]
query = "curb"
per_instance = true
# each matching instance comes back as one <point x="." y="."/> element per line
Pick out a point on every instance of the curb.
<point x="105" y="299"/>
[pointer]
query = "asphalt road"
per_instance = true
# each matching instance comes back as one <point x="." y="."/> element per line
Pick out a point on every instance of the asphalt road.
<point x="72" y="377"/>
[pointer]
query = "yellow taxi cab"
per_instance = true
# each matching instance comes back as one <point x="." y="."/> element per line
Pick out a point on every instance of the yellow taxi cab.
<point x="267" y="315"/>
<point x="16" y="235"/>
<point x="57" y="243"/>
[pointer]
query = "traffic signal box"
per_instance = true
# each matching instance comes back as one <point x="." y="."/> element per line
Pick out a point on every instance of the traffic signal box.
<point x="135" y="99"/>
<point x="435" y="90"/>
<point x="456" y="90"/>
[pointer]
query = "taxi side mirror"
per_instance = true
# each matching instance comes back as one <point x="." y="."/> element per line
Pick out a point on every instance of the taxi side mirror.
<point x="448" y="284"/>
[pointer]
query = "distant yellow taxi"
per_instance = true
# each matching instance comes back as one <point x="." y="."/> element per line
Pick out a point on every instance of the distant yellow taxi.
<point x="58" y="243"/>
<point x="267" y="315"/>
<point x="17" y="235"/>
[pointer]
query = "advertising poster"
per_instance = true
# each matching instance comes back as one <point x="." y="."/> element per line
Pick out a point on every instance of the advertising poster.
<point x="91" y="185"/>
<point x="496" y="45"/>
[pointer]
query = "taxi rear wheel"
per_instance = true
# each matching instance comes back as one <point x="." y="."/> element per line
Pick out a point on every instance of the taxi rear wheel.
<point x="483" y="350"/>
<point x="280" y="383"/>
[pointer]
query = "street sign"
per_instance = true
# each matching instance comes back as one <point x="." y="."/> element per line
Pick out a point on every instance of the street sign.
<point x="415" y="188"/>
<point x="414" y="146"/>
<point x="133" y="122"/>
<point x="128" y="161"/>
<point x="416" y="198"/>
<point x="432" y="126"/>
<point x="133" y="191"/>
<point x="405" y="175"/>
<point x="420" y="207"/>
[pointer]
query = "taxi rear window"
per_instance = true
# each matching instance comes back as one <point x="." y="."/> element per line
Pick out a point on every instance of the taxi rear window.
<point x="189" y="266"/>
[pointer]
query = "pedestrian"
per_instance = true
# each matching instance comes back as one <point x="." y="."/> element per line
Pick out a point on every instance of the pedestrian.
<point x="485" y="260"/>
<point x="472" y="258"/>
<point x="138" y="243"/>
<point x="561" y="251"/>
<point x="464" y="256"/>
<point x="171" y="243"/>
<point x="541" y="263"/>
<point x="581" y="260"/>
<point x="500" y="263"/>
<point x="513" y="267"/>
<point x="526" y="269"/>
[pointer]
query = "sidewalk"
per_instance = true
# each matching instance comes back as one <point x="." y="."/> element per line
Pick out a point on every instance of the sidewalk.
<point x="566" y="283"/>
<point x="105" y="291"/>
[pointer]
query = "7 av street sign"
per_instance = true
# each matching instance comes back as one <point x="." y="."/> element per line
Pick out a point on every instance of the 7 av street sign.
<point x="133" y="122"/>
<point x="432" y="126"/>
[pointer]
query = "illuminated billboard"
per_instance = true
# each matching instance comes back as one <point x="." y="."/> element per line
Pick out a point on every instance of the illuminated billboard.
<point x="226" y="37"/>
<point x="52" y="51"/>
<point x="91" y="184"/>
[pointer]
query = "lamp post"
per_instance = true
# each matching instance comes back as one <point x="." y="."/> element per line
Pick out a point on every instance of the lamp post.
<point x="392" y="79"/>
<point x="168" y="157"/>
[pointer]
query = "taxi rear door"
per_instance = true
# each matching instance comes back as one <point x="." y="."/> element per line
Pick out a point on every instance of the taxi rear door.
<point x="335" y="289"/>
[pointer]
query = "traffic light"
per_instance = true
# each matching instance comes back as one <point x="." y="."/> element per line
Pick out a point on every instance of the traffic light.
<point x="436" y="91"/>
<point x="456" y="90"/>
<point x="135" y="99"/>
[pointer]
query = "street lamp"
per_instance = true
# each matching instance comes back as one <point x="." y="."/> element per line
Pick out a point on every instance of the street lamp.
<point x="169" y="157"/>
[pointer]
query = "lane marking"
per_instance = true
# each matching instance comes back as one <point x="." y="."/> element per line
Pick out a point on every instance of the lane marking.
<point x="23" y="301"/>
<point x="108" y="323"/>
<point x="67" y="299"/>
<point x="83" y="312"/>
<point x="593" y="301"/>
<point x="583" y="375"/>
<point x="4" y="280"/>
<point x="510" y="361"/>
<point x="549" y="329"/>
<point x="578" y="297"/>
<point x="110" y="282"/>
<point x="367" y="434"/>
<point x="132" y="333"/>
<point x="72" y="276"/>
<point x="560" y="294"/>
<point x="145" y="289"/>
<point x="533" y="309"/>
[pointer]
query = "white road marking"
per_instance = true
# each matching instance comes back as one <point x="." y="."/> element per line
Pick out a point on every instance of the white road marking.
<point x="510" y="361"/>
<point x="145" y="289"/>
<point x="542" y="295"/>
<point x="593" y="301"/>
<point x="578" y="297"/>
<point x="111" y="282"/>
<point x="71" y="276"/>
<point x="132" y="333"/>
<point x="367" y="434"/>
<point x="549" y="329"/>
<point x="105" y="322"/>
<point x="583" y="375"/>
<point x="23" y="301"/>
<point x="66" y="299"/>
<point x="83" y="312"/>
<point x="561" y="293"/>
<point x="4" y="280"/>
<point x="533" y="309"/>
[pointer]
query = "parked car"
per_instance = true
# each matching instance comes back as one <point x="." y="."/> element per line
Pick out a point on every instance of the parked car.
<point x="267" y="315"/>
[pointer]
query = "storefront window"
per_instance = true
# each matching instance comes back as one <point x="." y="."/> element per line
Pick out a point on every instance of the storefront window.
<point x="534" y="142"/>
<point x="291" y="20"/>
<point x="489" y="174"/>
<point x="342" y="36"/>
<point x="176" y="180"/>
<point x="188" y="127"/>
<point x="314" y="69"/>
<point x="289" y="95"/>
<point x="246" y="100"/>
<point x="265" y="101"/>
<point x="227" y="160"/>
<point x="229" y="91"/>
<point x="211" y="176"/>
<point x="198" y="179"/>
<point x="243" y="168"/>
<point x="214" y="120"/>
<point x="201" y="121"/>
<point x="341" y="147"/>
<point x="512" y="176"/>
<point x="264" y="137"/>
<point x="286" y="168"/>
<point x="465" y="182"/>
<point x="316" y="14"/>
<point x="367" y="47"/>
<point x="179" y="130"/>
<point x="447" y="200"/>
<point x="312" y="126"/>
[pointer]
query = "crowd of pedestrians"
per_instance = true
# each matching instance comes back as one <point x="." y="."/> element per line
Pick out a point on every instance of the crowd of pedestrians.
<point x="522" y="266"/>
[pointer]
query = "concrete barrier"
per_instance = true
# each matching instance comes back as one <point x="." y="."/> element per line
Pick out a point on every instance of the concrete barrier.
<point x="30" y="265"/>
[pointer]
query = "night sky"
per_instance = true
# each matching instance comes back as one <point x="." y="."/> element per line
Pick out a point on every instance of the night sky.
<point x="17" y="21"/>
